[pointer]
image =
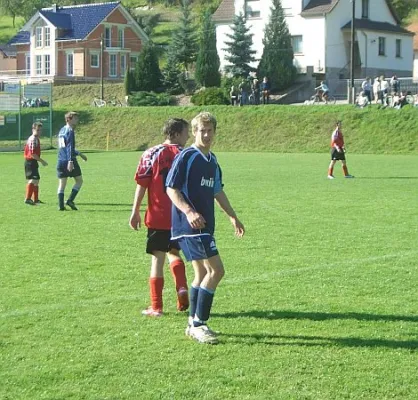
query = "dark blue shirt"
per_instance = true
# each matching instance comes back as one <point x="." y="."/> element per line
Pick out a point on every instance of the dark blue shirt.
<point x="199" y="178"/>
<point x="66" y="145"/>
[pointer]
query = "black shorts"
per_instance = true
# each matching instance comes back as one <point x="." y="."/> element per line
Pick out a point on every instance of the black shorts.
<point x="337" y="155"/>
<point x="62" y="170"/>
<point x="160" y="240"/>
<point x="32" y="169"/>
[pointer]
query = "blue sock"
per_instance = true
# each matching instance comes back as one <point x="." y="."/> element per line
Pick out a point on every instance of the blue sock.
<point x="204" y="305"/>
<point x="74" y="193"/>
<point x="194" y="293"/>
<point x="61" y="200"/>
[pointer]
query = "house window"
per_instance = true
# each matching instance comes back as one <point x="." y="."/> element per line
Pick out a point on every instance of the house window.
<point x="365" y="9"/>
<point x="252" y="9"/>
<point x="287" y="12"/>
<point x="70" y="64"/>
<point x="112" y="65"/>
<point x="27" y="64"/>
<point x="38" y="36"/>
<point x="38" y="65"/>
<point x="122" y="65"/>
<point x="94" y="60"/>
<point x="47" y="36"/>
<point x="47" y="64"/>
<point x="108" y="37"/>
<point x="398" y="48"/>
<point x="382" y="46"/>
<point x="121" y="38"/>
<point x="132" y="62"/>
<point x="297" y="44"/>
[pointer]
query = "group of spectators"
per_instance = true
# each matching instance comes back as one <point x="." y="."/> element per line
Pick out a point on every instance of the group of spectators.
<point x="250" y="91"/>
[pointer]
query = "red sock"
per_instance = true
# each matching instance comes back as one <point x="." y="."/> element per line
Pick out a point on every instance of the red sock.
<point x="345" y="170"/>
<point x="330" y="171"/>
<point x="35" y="192"/>
<point x="156" y="286"/>
<point x="178" y="270"/>
<point x="29" y="190"/>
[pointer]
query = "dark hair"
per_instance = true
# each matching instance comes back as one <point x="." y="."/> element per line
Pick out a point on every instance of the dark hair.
<point x="174" y="126"/>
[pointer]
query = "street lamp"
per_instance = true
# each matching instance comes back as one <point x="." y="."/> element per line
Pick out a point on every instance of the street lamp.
<point x="353" y="30"/>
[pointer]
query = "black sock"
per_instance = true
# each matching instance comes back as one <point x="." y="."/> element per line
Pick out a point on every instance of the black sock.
<point x="61" y="200"/>
<point x="73" y="194"/>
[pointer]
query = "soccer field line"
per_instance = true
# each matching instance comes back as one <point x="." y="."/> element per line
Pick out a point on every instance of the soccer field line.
<point x="294" y="271"/>
<point x="228" y="281"/>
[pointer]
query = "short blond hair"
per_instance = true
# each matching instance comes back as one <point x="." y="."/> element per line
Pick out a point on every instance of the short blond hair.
<point x="70" y="115"/>
<point x="202" y="118"/>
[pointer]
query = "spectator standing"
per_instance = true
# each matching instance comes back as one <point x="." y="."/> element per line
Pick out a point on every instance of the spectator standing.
<point x="234" y="96"/>
<point x="265" y="90"/>
<point x="244" y="89"/>
<point x="394" y="84"/>
<point x="376" y="89"/>
<point x="255" y="89"/>
<point x="367" y="88"/>
<point x="384" y="88"/>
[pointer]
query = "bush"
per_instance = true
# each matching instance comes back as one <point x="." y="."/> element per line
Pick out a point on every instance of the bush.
<point x="150" y="99"/>
<point x="210" y="96"/>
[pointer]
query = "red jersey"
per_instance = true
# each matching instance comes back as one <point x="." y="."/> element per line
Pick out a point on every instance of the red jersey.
<point x="151" y="174"/>
<point x="337" y="139"/>
<point x="32" y="146"/>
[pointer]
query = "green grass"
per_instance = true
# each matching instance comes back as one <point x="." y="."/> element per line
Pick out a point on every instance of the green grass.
<point x="318" y="301"/>
<point x="7" y="31"/>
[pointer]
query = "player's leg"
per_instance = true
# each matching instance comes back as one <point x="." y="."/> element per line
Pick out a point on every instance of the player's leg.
<point x="31" y="176"/>
<point x="156" y="285"/>
<point x="78" y="182"/>
<point x="331" y="169"/>
<point x="35" y="183"/>
<point x="345" y="169"/>
<point x="178" y="271"/>
<point x="62" y="183"/>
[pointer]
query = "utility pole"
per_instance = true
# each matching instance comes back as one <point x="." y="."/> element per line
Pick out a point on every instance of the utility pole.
<point x="101" y="68"/>
<point x="353" y="35"/>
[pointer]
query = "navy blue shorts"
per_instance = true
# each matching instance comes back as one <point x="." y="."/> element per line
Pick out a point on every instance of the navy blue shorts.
<point x="198" y="247"/>
<point x="62" y="170"/>
<point x="159" y="240"/>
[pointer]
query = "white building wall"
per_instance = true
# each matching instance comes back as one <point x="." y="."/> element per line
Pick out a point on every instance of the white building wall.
<point x="415" y="74"/>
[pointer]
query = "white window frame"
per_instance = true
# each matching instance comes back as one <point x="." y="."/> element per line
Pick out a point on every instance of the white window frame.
<point x="382" y="46"/>
<point x="38" y="64"/>
<point x="122" y="64"/>
<point x="92" y="65"/>
<point x="47" y="36"/>
<point x="27" y="64"/>
<point x="108" y="36"/>
<point x="132" y="63"/>
<point x="297" y="44"/>
<point x="47" y="64"/>
<point x="121" y="38"/>
<point x="69" y="62"/>
<point x="38" y="37"/>
<point x="251" y="13"/>
<point x="113" y="65"/>
<point x="398" y="48"/>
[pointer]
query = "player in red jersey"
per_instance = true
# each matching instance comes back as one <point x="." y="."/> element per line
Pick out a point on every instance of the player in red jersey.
<point x="32" y="154"/>
<point x="150" y="177"/>
<point x="338" y="152"/>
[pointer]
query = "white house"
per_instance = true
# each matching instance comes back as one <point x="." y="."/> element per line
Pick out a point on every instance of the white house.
<point x="321" y="35"/>
<point x="414" y="28"/>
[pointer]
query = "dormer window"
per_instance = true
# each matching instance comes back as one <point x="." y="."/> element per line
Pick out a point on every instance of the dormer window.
<point x="365" y="9"/>
<point x="38" y="36"/>
<point x="252" y="9"/>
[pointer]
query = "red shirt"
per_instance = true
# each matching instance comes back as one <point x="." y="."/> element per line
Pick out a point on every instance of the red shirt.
<point x="337" y="139"/>
<point x="151" y="174"/>
<point x="32" y="146"/>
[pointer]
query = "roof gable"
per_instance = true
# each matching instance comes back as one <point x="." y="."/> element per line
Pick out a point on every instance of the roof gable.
<point x="225" y="12"/>
<point x="315" y="7"/>
<point x="367" y="24"/>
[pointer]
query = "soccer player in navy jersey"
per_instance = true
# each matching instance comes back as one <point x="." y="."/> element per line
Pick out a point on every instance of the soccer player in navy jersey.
<point x="193" y="184"/>
<point x="67" y="161"/>
<point x="150" y="177"/>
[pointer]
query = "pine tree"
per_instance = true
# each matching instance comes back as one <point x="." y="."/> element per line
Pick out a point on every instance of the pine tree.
<point x="171" y="74"/>
<point x="207" y="63"/>
<point x="239" y="48"/>
<point x="277" y="60"/>
<point x="147" y="70"/>
<point x="184" y="40"/>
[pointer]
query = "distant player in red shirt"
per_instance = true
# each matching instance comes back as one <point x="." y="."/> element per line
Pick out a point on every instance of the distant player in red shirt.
<point x="32" y="154"/>
<point x="338" y="152"/>
<point x="150" y="177"/>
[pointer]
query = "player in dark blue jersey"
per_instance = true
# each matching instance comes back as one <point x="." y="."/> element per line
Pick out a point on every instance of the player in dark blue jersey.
<point x="193" y="184"/>
<point x="67" y="161"/>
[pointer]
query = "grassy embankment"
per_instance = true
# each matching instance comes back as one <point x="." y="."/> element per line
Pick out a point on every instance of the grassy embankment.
<point x="272" y="128"/>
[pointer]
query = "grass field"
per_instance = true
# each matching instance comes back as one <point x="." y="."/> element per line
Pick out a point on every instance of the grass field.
<point x="318" y="302"/>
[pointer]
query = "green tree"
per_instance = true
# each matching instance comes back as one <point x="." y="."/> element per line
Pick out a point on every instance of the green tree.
<point x="277" y="59"/>
<point x="207" y="63"/>
<point x="184" y="39"/>
<point x="404" y="8"/>
<point x="239" y="48"/>
<point x="172" y="74"/>
<point x="147" y="70"/>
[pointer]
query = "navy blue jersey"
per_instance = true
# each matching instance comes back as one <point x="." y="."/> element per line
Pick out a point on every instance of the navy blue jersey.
<point x="66" y="144"/>
<point x="198" y="178"/>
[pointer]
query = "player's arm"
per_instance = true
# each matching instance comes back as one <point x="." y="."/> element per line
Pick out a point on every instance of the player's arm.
<point x="195" y="220"/>
<point x="135" y="219"/>
<point x="37" y="158"/>
<point x="223" y="202"/>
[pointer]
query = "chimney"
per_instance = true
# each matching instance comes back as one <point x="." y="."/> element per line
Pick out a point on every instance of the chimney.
<point x="54" y="8"/>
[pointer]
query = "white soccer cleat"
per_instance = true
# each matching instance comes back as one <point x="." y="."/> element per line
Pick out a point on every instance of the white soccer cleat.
<point x="202" y="334"/>
<point x="330" y="177"/>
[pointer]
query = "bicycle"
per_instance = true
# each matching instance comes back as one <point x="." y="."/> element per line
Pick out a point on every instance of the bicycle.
<point x="98" y="102"/>
<point x="114" y="101"/>
<point x="317" y="98"/>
